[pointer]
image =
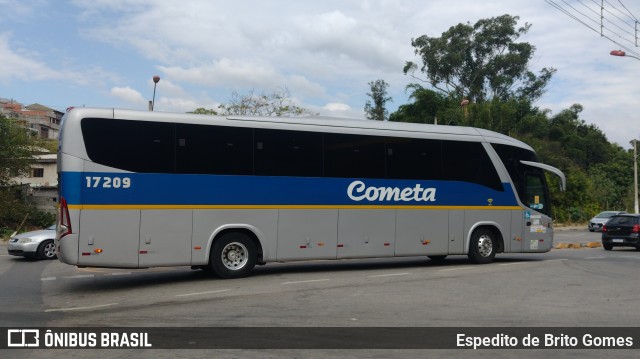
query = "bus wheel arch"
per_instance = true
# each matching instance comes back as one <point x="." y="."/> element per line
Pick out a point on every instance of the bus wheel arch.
<point x="234" y="252"/>
<point x="484" y="242"/>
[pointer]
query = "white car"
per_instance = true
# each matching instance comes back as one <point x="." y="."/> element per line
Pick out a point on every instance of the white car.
<point x="36" y="244"/>
<point x="596" y="223"/>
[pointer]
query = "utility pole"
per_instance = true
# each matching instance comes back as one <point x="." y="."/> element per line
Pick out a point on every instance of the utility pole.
<point x="152" y="103"/>
<point x="635" y="176"/>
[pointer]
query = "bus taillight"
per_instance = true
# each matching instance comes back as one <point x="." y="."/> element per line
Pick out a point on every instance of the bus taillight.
<point x="65" y="221"/>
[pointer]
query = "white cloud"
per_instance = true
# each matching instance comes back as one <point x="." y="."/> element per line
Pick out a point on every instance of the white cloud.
<point x="325" y="52"/>
<point x="167" y="88"/>
<point x="181" y="105"/>
<point x="14" y="65"/>
<point x="30" y="66"/>
<point x="225" y="71"/>
<point x="19" y="10"/>
<point x="128" y="94"/>
<point x="337" y="107"/>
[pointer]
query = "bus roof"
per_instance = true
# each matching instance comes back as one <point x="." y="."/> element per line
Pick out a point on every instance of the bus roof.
<point x="402" y="127"/>
<point x="308" y="123"/>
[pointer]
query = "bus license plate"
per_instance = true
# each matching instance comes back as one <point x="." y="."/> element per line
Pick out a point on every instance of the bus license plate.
<point x="618" y="240"/>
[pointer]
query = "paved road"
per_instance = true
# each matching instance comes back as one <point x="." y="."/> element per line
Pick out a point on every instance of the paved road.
<point x="586" y="287"/>
<point x="21" y="287"/>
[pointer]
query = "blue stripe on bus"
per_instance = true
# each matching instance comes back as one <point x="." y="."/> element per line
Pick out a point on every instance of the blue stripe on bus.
<point x="97" y="188"/>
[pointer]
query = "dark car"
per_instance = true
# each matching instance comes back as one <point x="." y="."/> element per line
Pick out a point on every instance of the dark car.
<point x="596" y="223"/>
<point x="622" y="230"/>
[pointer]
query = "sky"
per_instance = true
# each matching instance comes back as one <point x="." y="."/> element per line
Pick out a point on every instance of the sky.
<point x="104" y="53"/>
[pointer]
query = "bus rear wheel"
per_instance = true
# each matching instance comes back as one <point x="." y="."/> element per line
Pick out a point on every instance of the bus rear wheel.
<point x="482" y="248"/>
<point x="233" y="255"/>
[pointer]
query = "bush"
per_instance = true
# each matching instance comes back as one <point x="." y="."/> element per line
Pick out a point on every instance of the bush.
<point x="15" y="209"/>
<point x="41" y="219"/>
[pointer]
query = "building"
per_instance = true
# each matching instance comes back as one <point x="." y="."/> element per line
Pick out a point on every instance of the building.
<point x="41" y="186"/>
<point x="42" y="120"/>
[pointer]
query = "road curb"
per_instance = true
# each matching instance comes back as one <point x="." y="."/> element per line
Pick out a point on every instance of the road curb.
<point x="577" y="245"/>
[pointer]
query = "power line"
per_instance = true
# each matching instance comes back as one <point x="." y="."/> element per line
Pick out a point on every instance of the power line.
<point x="611" y="25"/>
<point x="629" y="12"/>
<point x="619" y="18"/>
<point x="616" y="16"/>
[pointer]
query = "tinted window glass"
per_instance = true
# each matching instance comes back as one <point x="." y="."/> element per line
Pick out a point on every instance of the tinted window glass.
<point x="136" y="146"/>
<point x="411" y="158"/>
<point x="535" y="192"/>
<point x="469" y="162"/>
<point x="288" y="153"/>
<point x="623" y="221"/>
<point x="214" y="149"/>
<point x="511" y="157"/>
<point x="354" y="156"/>
<point x="141" y="146"/>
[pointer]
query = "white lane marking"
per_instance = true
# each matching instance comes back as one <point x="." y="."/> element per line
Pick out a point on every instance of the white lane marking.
<point x="555" y="260"/>
<point x="631" y="257"/>
<point x="600" y="257"/>
<point x="79" y="308"/>
<point x="202" y="293"/>
<point x="306" y="281"/>
<point x="450" y="269"/>
<point x="387" y="275"/>
<point x="83" y="276"/>
<point x="79" y="276"/>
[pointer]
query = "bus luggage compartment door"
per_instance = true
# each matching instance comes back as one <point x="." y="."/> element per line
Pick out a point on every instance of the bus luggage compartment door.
<point x="109" y="238"/>
<point x="165" y="237"/>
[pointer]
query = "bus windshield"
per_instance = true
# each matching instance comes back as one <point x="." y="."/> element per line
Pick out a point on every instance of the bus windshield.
<point x="529" y="181"/>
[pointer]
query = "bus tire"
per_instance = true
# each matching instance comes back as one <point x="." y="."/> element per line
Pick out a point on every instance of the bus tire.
<point x="482" y="248"/>
<point x="233" y="255"/>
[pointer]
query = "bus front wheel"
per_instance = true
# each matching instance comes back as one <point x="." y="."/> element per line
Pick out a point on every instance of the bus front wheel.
<point x="233" y="255"/>
<point x="482" y="248"/>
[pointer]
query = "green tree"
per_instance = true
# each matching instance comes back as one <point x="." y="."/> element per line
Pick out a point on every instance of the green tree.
<point x="480" y="61"/>
<point x="16" y="145"/>
<point x="204" y="111"/>
<point x="424" y="108"/>
<point x="377" y="111"/>
<point x="584" y="143"/>
<point x="486" y="64"/>
<point x="277" y="103"/>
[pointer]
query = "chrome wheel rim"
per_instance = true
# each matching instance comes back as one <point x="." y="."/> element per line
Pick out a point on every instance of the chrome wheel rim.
<point x="235" y="256"/>
<point x="50" y="250"/>
<point x="485" y="245"/>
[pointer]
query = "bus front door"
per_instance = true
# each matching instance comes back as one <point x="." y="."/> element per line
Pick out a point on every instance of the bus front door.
<point x="538" y="228"/>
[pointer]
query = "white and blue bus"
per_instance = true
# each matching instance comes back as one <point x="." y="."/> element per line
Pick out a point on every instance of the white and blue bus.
<point x="144" y="189"/>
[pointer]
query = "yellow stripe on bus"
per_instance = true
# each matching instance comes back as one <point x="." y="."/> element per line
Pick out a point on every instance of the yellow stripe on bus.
<point x="190" y="206"/>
